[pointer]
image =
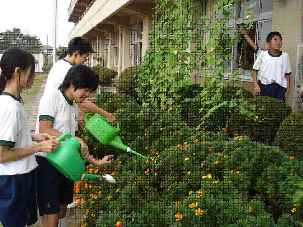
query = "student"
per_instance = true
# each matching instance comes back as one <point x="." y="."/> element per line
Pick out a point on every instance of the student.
<point x="17" y="160"/>
<point x="77" y="53"/>
<point x="273" y="68"/>
<point x="58" y="114"/>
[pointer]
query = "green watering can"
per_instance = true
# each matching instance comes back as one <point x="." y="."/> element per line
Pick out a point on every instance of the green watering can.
<point x="107" y="134"/>
<point x="68" y="161"/>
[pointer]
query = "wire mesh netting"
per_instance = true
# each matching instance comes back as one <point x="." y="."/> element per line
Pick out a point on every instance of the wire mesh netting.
<point x="198" y="146"/>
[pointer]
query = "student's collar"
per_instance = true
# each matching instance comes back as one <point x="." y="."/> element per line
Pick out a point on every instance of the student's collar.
<point x="275" y="55"/>
<point x="19" y="99"/>
<point x="70" y="102"/>
<point x="64" y="59"/>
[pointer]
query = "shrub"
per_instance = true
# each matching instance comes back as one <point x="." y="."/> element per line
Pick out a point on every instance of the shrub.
<point x="270" y="113"/>
<point x="126" y="83"/>
<point x="289" y="136"/>
<point x="105" y="74"/>
<point x="219" y="115"/>
<point x="112" y="102"/>
<point x="190" y="91"/>
<point x="219" y="204"/>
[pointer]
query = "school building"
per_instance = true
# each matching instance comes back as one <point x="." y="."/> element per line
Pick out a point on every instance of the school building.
<point x="119" y="29"/>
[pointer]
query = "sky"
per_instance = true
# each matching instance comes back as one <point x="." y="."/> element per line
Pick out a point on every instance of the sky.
<point x="35" y="17"/>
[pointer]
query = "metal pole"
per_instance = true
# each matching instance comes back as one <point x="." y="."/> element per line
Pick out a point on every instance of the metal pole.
<point x="55" y="30"/>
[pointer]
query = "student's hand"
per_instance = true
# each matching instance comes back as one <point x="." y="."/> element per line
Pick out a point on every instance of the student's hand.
<point x="84" y="148"/>
<point x="105" y="160"/>
<point x="256" y="89"/>
<point x="47" y="145"/>
<point x="41" y="137"/>
<point x="110" y="118"/>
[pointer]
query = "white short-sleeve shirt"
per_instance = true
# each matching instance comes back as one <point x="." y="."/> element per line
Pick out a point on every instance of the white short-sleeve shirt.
<point x="272" y="69"/>
<point x="56" y="107"/>
<point x="56" y="75"/>
<point x="14" y="133"/>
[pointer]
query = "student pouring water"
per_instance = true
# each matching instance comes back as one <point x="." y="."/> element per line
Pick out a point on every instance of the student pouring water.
<point x="58" y="114"/>
<point x="17" y="161"/>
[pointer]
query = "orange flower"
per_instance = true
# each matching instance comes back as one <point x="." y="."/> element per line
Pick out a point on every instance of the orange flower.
<point x="179" y="216"/>
<point x="216" y="162"/>
<point x="199" y="194"/>
<point x="199" y="212"/>
<point x="119" y="224"/>
<point x="77" y="187"/>
<point x="208" y="176"/>
<point x="196" y="141"/>
<point x="291" y="158"/>
<point x="193" y="205"/>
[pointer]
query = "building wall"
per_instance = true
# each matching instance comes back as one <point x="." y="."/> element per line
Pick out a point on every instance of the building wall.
<point x="288" y="19"/>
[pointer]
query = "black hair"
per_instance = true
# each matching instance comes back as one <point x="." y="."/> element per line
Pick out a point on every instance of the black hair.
<point x="273" y="34"/>
<point x="79" y="44"/>
<point x="80" y="76"/>
<point x="10" y="60"/>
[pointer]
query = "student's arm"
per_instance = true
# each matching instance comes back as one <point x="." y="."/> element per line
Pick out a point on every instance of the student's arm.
<point x="88" y="106"/>
<point x="47" y="126"/>
<point x="8" y="154"/>
<point x="87" y="156"/>
<point x="256" y="68"/>
<point x="247" y="38"/>
<point x="256" y="87"/>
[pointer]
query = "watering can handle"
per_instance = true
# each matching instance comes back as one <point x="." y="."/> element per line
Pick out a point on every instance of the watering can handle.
<point x="63" y="137"/>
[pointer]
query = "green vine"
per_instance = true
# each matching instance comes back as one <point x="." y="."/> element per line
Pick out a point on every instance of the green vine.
<point x="188" y="38"/>
<point x="168" y="65"/>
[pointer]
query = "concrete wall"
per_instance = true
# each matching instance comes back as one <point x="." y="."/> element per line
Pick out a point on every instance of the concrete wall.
<point x="288" y="19"/>
<point x="98" y="12"/>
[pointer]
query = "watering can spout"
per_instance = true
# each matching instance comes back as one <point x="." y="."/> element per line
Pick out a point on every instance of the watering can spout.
<point x="117" y="143"/>
<point x="97" y="178"/>
<point x="107" y="134"/>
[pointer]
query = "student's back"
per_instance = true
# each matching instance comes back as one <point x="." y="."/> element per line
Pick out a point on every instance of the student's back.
<point x="56" y="75"/>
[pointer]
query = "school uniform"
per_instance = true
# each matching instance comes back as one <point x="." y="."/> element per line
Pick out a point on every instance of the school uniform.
<point x="17" y="178"/>
<point x="53" y="187"/>
<point x="56" y="75"/>
<point x="272" y="71"/>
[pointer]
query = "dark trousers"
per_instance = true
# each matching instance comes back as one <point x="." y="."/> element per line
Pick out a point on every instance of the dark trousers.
<point x="273" y="90"/>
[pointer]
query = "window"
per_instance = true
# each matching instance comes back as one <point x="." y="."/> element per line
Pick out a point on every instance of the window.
<point x="260" y="12"/>
<point x="136" y="43"/>
<point x="104" y="52"/>
<point x="115" y="45"/>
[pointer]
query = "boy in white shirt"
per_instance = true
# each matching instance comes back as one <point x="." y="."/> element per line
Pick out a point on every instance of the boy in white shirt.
<point x="77" y="53"/>
<point x="273" y="68"/>
<point x="58" y="114"/>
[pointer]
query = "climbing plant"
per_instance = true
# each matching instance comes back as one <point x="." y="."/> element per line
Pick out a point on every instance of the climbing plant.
<point x="168" y="64"/>
<point x="189" y="38"/>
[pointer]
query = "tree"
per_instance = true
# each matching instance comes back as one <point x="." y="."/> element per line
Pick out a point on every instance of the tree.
<point x="15" y="38"/>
